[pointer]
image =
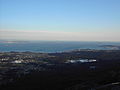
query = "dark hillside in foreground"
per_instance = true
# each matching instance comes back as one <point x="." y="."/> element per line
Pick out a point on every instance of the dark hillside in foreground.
<point x="75" y="70"/>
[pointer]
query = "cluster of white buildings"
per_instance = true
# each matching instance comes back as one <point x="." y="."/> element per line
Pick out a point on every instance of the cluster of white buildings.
<point x="81" y="61"/>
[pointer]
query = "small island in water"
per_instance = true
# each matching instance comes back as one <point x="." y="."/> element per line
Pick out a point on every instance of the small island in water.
<point x="114" y="47"/>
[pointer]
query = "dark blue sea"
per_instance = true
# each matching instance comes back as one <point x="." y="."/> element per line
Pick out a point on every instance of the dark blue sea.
<point x="52" y="46"/>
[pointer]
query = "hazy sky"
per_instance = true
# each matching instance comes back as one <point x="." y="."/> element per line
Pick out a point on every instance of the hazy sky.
<point x="72" y="20"/>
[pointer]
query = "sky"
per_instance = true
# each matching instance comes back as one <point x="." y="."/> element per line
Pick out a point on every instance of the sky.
<point x="62" y="20"/>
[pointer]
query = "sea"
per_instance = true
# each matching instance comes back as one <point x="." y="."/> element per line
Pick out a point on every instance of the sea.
<point x="52" y="46"/>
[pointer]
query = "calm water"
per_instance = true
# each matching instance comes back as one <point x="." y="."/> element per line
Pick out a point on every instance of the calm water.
<point x="53" y="46"/>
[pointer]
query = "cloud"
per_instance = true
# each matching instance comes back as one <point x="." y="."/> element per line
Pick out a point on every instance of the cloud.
<point x="58" y="35"/>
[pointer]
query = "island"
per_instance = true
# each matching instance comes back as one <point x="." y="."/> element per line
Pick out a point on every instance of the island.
<point x="114" y="47"/>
